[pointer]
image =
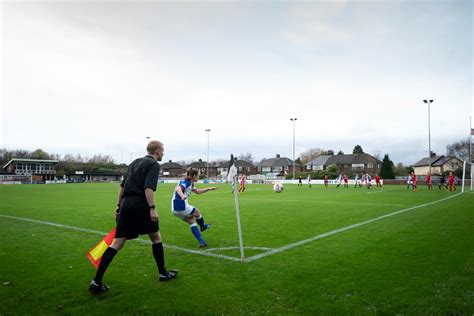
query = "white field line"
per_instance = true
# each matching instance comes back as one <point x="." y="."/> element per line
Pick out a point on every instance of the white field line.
<point x="234" y="248"/>
<point x="143" y="241"/>
<point x="327" y="202"/>
<point x="333" y="232"/>
<point x="380" y="191"/>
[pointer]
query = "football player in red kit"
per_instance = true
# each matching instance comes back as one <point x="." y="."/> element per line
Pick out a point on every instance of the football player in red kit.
<point x="429" y="181"/>
<point x="346" y="181"/>
<point x="326" y="181"/>
<point x="377" y="180"/>
<point x="451" y="182"/>
<point x="413" y="181"/>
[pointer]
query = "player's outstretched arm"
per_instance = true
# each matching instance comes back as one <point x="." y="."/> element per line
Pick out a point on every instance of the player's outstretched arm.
<point x="201" y="191"/>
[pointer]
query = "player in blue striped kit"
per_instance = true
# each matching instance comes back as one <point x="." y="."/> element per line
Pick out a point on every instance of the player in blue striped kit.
<point x="188" y="213"/>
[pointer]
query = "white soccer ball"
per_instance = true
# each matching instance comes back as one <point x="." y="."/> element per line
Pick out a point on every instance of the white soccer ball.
<point x="278" y="187"/>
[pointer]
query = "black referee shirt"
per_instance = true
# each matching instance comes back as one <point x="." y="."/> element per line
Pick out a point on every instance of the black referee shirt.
<point x="142" y="174"/>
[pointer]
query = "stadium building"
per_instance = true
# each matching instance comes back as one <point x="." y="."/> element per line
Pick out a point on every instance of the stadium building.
<point x="39" y="170"/>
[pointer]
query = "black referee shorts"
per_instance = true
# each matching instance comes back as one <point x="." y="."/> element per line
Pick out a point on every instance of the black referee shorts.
<point x="134" y="218"/>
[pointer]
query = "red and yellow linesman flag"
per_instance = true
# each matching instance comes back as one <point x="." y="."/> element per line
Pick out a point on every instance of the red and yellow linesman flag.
<point x="95" y="254"/>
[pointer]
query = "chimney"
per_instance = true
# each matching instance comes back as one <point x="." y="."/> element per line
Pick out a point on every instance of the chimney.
<point x="200" y="160"/>
<point x="433" y="154"/>
<point x="170" y="160"/>
<point x="278" y="156"/>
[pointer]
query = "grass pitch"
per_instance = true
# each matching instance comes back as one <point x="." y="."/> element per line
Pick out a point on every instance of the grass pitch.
<point x="420" y="261"/>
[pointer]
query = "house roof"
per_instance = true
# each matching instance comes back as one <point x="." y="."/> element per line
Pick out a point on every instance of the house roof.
<point x="435" y="161"/>
<point x="171" y="165"/>
<point x="201" y="164"/>
<point x="237" y="163"/>
<point x="278" y="162"/>
<point x="319" y="161"/>
<point x="352" y="159"/>
<point x="29" y="160"/>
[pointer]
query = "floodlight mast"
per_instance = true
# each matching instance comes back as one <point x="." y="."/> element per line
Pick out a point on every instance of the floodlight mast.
<point x="294" y="123"/>
<point x="429" y="134"/>
<point x="207" y="160"/>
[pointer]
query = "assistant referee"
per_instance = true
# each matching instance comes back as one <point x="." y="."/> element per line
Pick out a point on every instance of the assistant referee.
<point x="136" y="214"/>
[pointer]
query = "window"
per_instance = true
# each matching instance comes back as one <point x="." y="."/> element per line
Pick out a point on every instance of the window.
<point x="357" y="166"/>
<point x="266" y="169"/>
<point x="370" y="165"/>
<point x="277" y="168"/>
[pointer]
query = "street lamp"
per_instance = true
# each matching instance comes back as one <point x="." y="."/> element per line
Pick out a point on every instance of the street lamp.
<point x="429" y="134"/>
<point x="207" y="160"/>
<point x="294" y="123"/>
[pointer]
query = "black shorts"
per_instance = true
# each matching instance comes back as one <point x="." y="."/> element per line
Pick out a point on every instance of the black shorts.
<point x="134" y="218"/>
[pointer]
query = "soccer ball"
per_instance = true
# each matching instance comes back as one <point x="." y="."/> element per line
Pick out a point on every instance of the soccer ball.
<point x="278" y="187"/>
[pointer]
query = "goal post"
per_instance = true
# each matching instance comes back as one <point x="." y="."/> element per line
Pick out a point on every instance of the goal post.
<point x="467" y="175"/>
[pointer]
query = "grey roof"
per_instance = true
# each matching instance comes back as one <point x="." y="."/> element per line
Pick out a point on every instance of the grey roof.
<point x="278" y="162"/>
<point x="319" y="161"/>
<point x="238" y="163"/>
<point x="351" y="159"/>
<point x="171" y="165"/>
<point x="435" y="161"/>
<point x="201" y="164"/>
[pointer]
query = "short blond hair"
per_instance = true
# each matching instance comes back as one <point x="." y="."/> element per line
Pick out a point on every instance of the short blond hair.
<point x="153" y="145"/>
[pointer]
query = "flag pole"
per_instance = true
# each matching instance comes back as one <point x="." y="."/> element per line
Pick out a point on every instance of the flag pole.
<point x="232" y="176"/>
<point x="239" y="227"/>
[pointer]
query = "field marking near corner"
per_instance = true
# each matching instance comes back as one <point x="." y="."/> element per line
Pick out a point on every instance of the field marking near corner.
<point x="333" y="232"/>
<point x="143" y="241"/>
<point x="269" y="252"/>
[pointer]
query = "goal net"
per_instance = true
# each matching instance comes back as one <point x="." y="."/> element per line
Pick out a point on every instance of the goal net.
<point x="15" y="179"/>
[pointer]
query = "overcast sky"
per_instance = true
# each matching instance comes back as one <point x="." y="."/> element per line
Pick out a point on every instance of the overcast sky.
<point x="99" y="77"/>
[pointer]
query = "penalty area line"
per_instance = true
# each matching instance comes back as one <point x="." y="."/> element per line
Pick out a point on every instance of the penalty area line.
<point x="143" y="241"/>
<point x="342" y="229"/>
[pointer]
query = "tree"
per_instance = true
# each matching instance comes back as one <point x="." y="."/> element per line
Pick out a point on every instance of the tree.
<point x="358" y="150"/>
<point x="102" y="159"/>
<point x="386" y="172"/>
<point x="340" y="152"/>
<point x="39" y="154"/>
<point x="459" y="149"/>
<point x="330" y="152"/>
<point x="247" y="157"/>
<point x="400" y="170"/>
<point x="311" y="154"/>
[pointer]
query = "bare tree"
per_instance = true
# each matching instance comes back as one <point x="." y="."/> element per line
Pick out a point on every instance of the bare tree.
<point x="311" y="154"/>
<point x="247" y="157"/>
<point x="377" y="155"/>
<point x="459" y="149"/>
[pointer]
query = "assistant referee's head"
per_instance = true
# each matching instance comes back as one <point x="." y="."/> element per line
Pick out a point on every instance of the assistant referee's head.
<point x="156" y="149"/>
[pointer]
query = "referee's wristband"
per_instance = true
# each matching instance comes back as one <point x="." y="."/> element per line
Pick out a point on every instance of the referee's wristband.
<point x="152" y="206"/>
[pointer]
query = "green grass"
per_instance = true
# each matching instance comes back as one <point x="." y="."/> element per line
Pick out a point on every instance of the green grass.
<point x="417" y="262"/>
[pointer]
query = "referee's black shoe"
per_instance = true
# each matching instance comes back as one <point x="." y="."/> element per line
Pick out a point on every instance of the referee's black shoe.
<point x="170" y="274"/>
<point x="95" y="288"/>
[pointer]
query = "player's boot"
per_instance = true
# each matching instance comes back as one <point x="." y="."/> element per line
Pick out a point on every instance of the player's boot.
<point x="95" y="288"/>
<point x="205" y="227"/>
<point x="170" y="274"/>
<point x="203" y="245"/>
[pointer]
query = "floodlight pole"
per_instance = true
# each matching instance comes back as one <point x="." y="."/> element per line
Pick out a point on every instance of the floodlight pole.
<point x="207" y="160"/>
<point x="294" y="123"/>
<point x="429" y="134"/>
